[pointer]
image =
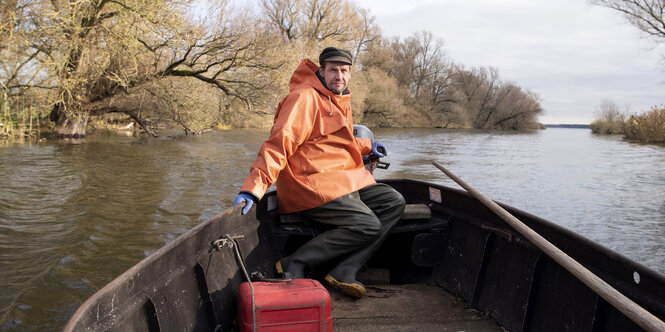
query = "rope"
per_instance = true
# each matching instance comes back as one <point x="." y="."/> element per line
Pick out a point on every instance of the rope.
<point x="228" y="241"/>
<point x="331" y="105"/>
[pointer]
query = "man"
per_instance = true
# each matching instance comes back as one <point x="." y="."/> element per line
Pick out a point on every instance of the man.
<point x="317" y="163"/>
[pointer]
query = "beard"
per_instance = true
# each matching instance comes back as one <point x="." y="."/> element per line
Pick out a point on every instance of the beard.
<point x="337" y="87"/>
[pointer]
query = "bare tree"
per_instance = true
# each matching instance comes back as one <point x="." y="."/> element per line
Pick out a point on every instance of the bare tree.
<point x="516" y="109"/>
<point x="328" y="19"/>
<point x="445" y="94"/>
<point x="646" y="15"/>
<point x="367" y="31"/>
<point x="429" y="58"/>
<point x="608" y="110"/>
<point x="441" y="97"/>
<point x="474" y="88"/>
<point x="419" y="62"/>
<point x="312" y="21"/>
<point x="491" y="103"/>
<point x="380" y="53"/>
<point x="96" y="49"/>
<point x="608" y="118"/>
<point x="145" y="59"/>
<point x="285" y="16"/>
<point x="382" y="105"/>
<point x="24" y="50"/>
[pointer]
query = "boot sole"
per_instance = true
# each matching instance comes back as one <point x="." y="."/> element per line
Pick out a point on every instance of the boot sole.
<point x="350" y="289"/>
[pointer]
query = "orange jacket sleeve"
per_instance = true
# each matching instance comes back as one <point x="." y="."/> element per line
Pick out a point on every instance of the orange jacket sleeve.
<point x="364" y="145"/>
<point x="292" y="125"/>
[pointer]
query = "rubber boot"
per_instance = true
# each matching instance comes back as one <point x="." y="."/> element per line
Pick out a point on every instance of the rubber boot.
<point x="389" y="208"/>
<point x="353" y="288"/>
<point x="290" y="270"/>
<point x="347" y="270"/>
<point x="343" y="276"/>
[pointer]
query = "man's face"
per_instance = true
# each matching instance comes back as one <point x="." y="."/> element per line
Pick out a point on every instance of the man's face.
<point x="336" y="75"/>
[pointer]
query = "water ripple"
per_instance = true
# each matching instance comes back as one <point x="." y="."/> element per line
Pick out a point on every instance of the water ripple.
<point x="74" y="216"/>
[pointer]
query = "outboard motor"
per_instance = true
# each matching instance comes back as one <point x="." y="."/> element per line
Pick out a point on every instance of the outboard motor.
<point x="371" y="161"/>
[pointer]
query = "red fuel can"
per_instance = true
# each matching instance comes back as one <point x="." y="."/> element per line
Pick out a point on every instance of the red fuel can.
<point x="297" y="305"/>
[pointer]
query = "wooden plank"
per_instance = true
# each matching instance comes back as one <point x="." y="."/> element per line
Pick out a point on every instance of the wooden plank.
<point x="413" y="307"/>
<point x="416" y="211"/>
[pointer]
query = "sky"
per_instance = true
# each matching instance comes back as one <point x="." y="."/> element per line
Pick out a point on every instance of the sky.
<point x="572" y="54"/>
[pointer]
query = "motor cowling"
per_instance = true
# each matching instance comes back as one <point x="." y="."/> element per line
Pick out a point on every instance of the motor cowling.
<point x="360" y="131"/>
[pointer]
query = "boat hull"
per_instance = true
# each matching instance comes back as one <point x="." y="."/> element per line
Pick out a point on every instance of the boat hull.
<point x="191" y="284"/>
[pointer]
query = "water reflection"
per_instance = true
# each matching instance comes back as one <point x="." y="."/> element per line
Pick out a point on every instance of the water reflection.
<point x="74" y="216"/>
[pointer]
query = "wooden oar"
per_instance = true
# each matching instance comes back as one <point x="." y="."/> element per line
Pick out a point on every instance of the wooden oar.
<point x="632" y="310"/>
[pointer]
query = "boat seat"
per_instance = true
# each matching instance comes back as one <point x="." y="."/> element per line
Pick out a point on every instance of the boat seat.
<point x="411" y="212"/>
<point x="416" y="218"/>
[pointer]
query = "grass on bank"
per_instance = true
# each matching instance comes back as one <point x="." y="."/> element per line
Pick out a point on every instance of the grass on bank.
<point x="19" y="119"/>
<point x="607" y="127"/>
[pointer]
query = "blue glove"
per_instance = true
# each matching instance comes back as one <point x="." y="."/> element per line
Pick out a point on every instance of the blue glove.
<point x="247" y="198"/>
<point x="379" y="150"/>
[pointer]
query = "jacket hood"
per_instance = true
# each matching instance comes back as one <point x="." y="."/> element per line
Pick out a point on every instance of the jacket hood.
<point x="305" y="77"/>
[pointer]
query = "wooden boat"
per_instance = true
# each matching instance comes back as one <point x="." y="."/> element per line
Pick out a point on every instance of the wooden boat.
<point x="451" y="264"/>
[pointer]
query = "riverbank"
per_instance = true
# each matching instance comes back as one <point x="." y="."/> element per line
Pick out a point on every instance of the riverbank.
<point x="647" y="128"/>
<point x="124" y="126"/>
<point x="573" y="126"/>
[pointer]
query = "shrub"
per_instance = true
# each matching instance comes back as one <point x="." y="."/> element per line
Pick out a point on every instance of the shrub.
<point x="21" y="116"/>
<point x="610" y="121"/>
<point x="648" y="127"/>
<point x="606" y="127"/>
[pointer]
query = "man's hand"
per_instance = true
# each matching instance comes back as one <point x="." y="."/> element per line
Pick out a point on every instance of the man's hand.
<point x="379" y="150"/>
<point x="247" y="198"/>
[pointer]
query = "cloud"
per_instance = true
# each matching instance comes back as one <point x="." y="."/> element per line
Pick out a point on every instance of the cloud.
<point x="570" y="53"/>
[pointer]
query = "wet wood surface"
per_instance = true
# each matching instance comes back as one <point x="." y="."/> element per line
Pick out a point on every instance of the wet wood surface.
<point x="414" y="307"/>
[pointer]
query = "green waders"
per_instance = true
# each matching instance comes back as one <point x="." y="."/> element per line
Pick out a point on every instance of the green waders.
<point x="362" y="221"/>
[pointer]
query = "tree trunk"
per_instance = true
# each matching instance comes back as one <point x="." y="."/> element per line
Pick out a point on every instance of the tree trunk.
<point x="70" y="125"/>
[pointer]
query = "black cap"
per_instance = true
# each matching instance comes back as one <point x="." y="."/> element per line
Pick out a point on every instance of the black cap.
<point x="335" y="54"/>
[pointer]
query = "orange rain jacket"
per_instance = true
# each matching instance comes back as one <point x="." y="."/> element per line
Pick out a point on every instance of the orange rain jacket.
<point x="311" y="151"/>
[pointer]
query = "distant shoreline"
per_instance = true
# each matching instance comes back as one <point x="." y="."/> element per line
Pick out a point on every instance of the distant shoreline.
<point x="582" y="126"/>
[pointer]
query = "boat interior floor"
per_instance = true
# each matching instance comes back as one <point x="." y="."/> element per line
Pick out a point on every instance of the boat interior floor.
<point x="411" y="307"/>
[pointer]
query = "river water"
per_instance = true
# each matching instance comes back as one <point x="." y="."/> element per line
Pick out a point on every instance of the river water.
<point x="76" y="214"/>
